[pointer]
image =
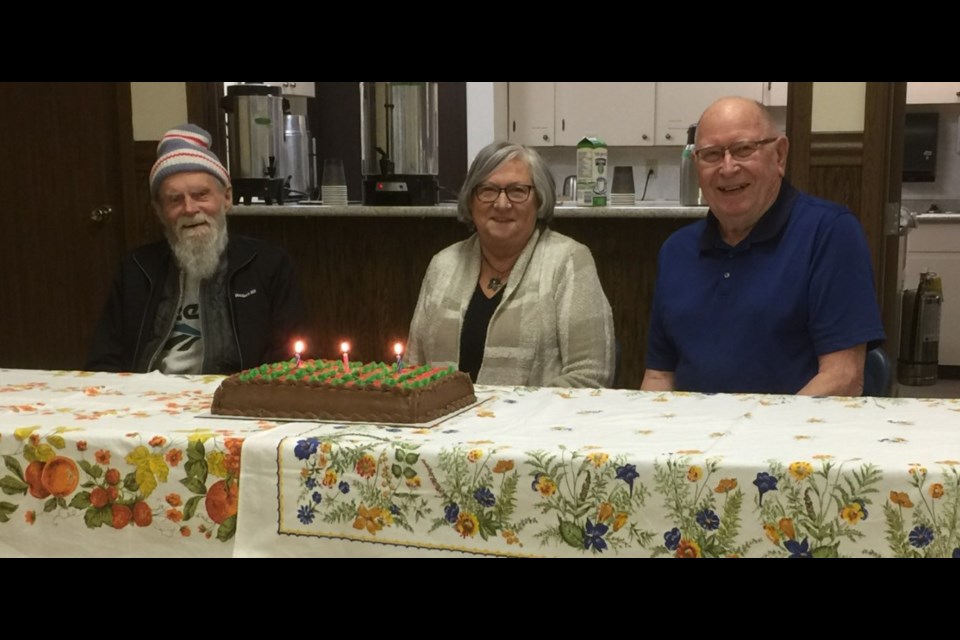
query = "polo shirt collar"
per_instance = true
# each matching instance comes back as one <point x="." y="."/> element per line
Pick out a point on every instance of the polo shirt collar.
<point x="767" y="228"/>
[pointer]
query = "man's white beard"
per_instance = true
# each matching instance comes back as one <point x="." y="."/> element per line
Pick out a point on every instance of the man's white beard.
<point x="198" y="250"/>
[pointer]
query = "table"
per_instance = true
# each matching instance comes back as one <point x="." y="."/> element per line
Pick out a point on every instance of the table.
<point x="99" y="464"/>
<point x="615" y="473"/>
<point x="530" y="472"/>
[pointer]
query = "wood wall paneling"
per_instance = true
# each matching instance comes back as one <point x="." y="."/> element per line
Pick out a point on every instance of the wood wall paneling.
<point x="361" y="276"/>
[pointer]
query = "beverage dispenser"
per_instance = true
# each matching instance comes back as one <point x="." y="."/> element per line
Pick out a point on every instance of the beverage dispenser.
<point x="255" y="141"/>
<point x="398" y="128"/>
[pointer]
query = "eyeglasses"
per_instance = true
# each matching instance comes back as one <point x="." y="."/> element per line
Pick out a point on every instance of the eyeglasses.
<point x="740" y="150"/>
<point x="516" y="193"/>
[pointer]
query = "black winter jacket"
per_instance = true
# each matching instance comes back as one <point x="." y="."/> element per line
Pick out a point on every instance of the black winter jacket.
<point x="266" y="309"/>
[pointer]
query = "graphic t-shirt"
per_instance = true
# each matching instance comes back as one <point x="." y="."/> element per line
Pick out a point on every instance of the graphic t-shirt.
<point x="183" y="350"/>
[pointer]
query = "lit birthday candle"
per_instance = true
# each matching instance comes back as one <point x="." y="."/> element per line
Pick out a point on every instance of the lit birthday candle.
<point x="398" y="349"/>
<point x="298" y="349"/>
<point x="345" y="350"/>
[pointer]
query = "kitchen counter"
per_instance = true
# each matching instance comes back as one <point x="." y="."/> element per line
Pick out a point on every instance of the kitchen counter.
<point x="653" y="209"/>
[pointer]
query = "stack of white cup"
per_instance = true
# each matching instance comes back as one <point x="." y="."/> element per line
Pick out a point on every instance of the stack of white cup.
<point x="333" y="185"/>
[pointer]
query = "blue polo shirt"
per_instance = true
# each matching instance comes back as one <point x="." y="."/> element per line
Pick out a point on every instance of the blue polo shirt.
<point x="754" y="317"/>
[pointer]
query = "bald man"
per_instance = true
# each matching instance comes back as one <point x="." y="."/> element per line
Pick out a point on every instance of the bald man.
<point x="773" y="291"/>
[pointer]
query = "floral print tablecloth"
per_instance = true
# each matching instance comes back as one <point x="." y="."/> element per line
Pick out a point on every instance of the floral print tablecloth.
<point x="551" y="472"/>
<point x="98" y="464"/>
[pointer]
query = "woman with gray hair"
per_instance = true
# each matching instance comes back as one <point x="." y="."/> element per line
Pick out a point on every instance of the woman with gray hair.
<point x="515" y="303"/>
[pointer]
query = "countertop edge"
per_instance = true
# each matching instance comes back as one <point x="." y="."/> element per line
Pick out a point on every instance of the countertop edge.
<point x="449" y="211"/>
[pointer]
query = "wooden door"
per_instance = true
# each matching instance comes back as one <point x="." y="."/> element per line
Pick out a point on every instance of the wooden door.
<point x="65" y="153"/>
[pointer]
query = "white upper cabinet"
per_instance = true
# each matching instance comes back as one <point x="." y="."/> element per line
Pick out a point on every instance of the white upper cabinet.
<point x="619" y="113"/>
<point x="679" y="104"/>
<point x="933" y="92"/>
<point x="775" y="94"/>
<point x="305" y="89"/>
<point x="636" y="114"/>
<point x="531" y="113"/>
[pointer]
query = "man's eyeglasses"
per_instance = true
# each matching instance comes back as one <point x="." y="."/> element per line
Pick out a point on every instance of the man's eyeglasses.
<point x="740" y="150"/>
<point x="516" y="193"/>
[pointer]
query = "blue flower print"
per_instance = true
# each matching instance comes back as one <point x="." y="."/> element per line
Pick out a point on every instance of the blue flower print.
<point x="956" y="553"/>
<point x="798" y="549"/>
<point x="765" y="482"/>
<point x="305" y="515"/>
<point x="485" y="497"/>
<point x="921" y="537"/>
<point x="311" y="483"/>
<point x="394" y="509"/>
<point x="593" y="536"/>
<point x="628" y="473"/>
<point x="671" y="539"/>
<point x="306" y="448"/>
<point x="317" y="497"/>
<point x="344" y="487"/>
<point x="451" y="512"/>
<point x="708" y="520"/>
<point x="863" y="507"/>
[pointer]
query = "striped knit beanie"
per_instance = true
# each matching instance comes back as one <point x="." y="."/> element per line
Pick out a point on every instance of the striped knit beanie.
<point x="185" y="148"/>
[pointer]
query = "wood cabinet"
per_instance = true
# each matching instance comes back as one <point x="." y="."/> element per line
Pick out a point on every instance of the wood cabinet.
<point x="680" y="104"/>
<point x="933" y="92"/>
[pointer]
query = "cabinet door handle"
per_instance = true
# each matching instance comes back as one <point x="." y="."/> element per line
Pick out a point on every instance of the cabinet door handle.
<point x="546" y="138"/>
<point x="514" y="126"/>
<point x="644" y="136"/>
<point x="668" y="136"/>
<point x="563" y="124"/>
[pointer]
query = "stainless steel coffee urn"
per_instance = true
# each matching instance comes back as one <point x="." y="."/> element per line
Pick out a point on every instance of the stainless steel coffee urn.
<point x="299" y="159"/>
<point x="400" y="158"/>
<point x="255" y="141"/>
<point x="920" y="332"/>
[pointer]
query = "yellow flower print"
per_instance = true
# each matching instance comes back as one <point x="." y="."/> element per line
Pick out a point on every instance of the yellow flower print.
<point x="823" y="456"/>
<point x="620" y="520"/>
<point x="771" y="532"/>
<point x="545" y="485"/>
<point x="786" y="527"/>
<point x="604" y="512"/>
<point x="325" y="447"/>
<point x="914" y="471"/>
<point x="597" y="459"/>
<point x="467" y="524"/>
<point x="950" y="463"/>
<point x="800" y="470"/>
<point x="725" y="485"/>
<point x="503" y="466"/>
<point x="852" y="513"/>
<point x="368" y="519"/>
<point x="366" y="466"/>
<point x="688" y="549"/>
<point x="694" y="473"/>
<point x="474" y="455"/>
<point x="900" y="498"/>
<point x="414" y="482"/>
<point x="329" y="478"/>
<point x="936" y="491"/>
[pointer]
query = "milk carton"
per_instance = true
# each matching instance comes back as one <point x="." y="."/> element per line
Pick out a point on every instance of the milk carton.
<point x="592" y="172"/>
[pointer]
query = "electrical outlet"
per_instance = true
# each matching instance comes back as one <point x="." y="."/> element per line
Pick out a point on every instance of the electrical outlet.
<point x="652" y="168"/>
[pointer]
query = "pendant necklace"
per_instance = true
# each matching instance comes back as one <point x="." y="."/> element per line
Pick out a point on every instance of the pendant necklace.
<point x="495" y="281"/>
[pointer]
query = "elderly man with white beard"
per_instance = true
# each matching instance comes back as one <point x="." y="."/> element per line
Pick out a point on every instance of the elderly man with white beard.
<point x="200" y="301"/>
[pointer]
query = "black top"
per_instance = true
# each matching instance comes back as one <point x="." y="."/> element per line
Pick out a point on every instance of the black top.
<point x="473" y="336"/>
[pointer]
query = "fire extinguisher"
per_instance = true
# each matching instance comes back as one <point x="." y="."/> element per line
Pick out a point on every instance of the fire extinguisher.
<point x="920" y="331"/>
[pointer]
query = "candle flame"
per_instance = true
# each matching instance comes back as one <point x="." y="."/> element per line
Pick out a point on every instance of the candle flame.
<point x="298" y="346"/>
<point x="345" y="347"/>
<point x="398" y="348"/>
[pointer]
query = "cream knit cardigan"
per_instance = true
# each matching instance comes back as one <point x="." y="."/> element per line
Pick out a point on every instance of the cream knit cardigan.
<point x="553" y="328"/>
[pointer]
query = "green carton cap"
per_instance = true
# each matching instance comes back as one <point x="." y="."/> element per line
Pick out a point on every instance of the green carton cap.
<point x="591" y="143"/>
